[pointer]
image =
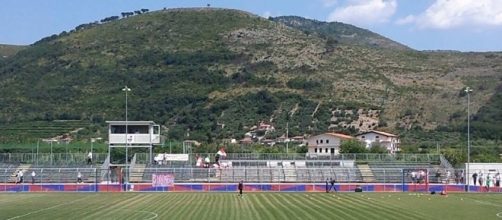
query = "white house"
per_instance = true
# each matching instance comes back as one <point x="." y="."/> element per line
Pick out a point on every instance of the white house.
<point x="326" y="144"/>
<point x="389" y="141"/>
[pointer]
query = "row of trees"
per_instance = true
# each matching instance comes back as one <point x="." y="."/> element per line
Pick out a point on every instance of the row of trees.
<point x="108" y="19"/>
<point x="356" y="147"/>
<point x="111" y="18"/>
<point x="138" y="12"/>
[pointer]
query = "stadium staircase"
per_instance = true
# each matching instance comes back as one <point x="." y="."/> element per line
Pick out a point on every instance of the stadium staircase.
<point x="137" y="173"/>
<point x="289" y="171"/>
<point x="366" y="173"/>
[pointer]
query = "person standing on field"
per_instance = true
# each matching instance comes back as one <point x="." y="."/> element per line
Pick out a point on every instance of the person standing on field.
<point x="33" y="174"/>
<point x="332" y="184"/>
<point x="475" y="178"/>
<point x="20" y="176"/>
<point x="79" y="177"/>
<point x="241" y="187"/>
<point x="481" y="179"/>
<point x="89" y="158"/>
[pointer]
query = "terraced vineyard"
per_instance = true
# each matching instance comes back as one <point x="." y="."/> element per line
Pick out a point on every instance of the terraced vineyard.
<point x="26" y="132"/>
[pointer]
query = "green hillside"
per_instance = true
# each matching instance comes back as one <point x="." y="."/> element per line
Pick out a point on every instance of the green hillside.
<point x="338" y="32"/>
<point x="217" y="72"/>
<point x="7" y="51"/>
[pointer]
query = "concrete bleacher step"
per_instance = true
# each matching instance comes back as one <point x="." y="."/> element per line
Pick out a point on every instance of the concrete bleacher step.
<point x="137" y="172"/>
<point x="289" y="175"/>
<point x="366" y="173"/>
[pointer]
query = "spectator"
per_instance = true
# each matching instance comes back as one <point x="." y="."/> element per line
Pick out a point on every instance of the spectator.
<point x="413" y="177"/>
<point x="33" y="174"/>
<point x="421" y="176"/>
<point x="79" y="177"/>
<point x="497" y="180"/>
<point x="438" y="176"/>
<point x="20" y="175"/>
<point x="89" y="158"/>
<point x="475" y="177"/>
<point x="488" y="181"/>
<point x="480" y="178"/>
<point x="17" y="177"/>
<point x="198" y="160"/>
<point x="461" y="177"/>
<point x="327" y="185"/>
<point x="217" y="159"/>
<point x="457" y="177"/>
<point x="206" y="162"/>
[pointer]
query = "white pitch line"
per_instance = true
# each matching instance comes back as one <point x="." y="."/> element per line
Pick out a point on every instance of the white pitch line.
<point x="487" y="203"/>
<point x="155" y="215"/>
<point x="48" y="208"/>
<point x="492" y="204"/>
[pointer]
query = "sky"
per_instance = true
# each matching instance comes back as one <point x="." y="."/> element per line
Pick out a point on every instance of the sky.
<point x="463" y="25"/>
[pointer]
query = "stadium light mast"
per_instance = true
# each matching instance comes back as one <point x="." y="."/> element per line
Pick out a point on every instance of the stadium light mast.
<point x="287" y="138"/>
<point x="468" y="90"/>
<point x="126" y="90"/>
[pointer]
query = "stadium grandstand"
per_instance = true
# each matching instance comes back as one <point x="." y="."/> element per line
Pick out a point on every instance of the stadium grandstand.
<point x="258" y="168"/>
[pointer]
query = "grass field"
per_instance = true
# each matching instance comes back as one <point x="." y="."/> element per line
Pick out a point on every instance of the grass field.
<point x="251" y="206"/>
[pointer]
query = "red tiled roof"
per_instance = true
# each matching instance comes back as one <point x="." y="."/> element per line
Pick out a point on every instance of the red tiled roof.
<point x="380" y="132"/>
<point x="340" y="135"/>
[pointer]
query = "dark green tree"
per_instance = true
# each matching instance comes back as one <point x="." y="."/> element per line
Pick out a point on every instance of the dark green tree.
<point x="352" y="146"/>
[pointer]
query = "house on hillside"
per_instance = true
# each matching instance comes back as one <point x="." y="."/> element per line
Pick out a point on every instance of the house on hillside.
<point x="387" y="140"/>
<point x="298" y="139"/>
<point x="265" y="127"/>
<point x="326" y="144"/>
<point x="246" y="140"/>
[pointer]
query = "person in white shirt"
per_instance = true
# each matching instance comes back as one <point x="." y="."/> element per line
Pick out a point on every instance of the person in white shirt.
<point x="481" y="179"/>
<point x="33" y="174"/>
<point x="413" y="177"/>
<point x="207" y="162"/>
<point x="89" y="158"/>
<point x="20" y="175"/>
<point x="79" y="177"/>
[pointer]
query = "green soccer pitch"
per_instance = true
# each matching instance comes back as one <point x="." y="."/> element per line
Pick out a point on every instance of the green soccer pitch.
<point x="251" y="206"/>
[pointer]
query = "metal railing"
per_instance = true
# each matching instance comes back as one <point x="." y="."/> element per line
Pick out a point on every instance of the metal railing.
<point x="62" y="158"/>
<point x="227" y="175"/>
<point x="54" y="159"/>
<point x="433" y="158"/>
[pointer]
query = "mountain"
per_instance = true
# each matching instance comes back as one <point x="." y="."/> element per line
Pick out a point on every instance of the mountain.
<point x="216" y="72"/>
<point x="9" y="50"/>
<point x="339" y="32"/>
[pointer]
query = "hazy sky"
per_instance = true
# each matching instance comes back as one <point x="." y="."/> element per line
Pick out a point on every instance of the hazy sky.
<point x="465" y="25"/>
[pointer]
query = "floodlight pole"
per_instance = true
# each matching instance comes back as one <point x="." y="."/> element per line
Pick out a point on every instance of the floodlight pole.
<point x="287" y="138"/>
<point x="468" y="91"/>
<point x="51" y="152"/>
<point x="92" y="143"/>
<point x="126" y="90"/>
<point x="38" y="148"/>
